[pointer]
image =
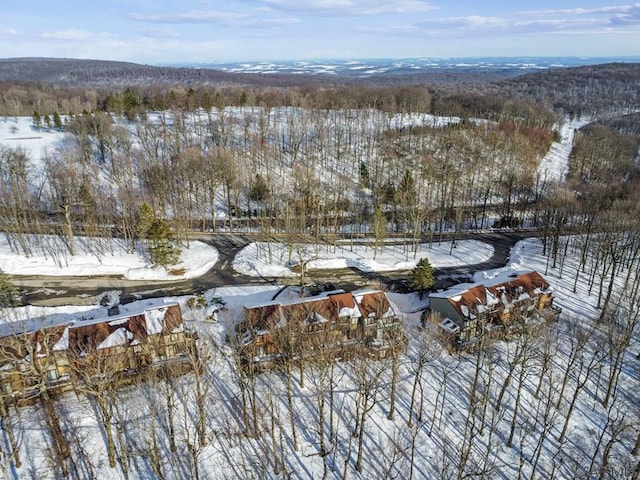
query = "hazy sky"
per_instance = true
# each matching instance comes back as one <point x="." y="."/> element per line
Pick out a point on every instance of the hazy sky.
<point x="170" y="31"/>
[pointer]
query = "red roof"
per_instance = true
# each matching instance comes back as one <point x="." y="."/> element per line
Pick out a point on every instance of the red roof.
<point x="474" y="298"/>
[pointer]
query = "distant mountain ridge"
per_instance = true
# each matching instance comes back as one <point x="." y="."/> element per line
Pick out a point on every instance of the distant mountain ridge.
<point x="105" y="73"/>
<point x="97" y="73"/>
<point x="607" y="87"/>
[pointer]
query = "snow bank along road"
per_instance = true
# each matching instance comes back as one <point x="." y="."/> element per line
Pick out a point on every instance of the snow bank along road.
<point x="61" y="290"/>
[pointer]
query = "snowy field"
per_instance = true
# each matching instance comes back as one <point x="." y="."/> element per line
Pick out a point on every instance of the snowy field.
<point x="20" y="132"/>
<point x="271" y="260"/>
<point x="101" y="257"/>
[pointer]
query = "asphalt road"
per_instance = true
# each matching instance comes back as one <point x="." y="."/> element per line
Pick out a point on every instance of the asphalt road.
<point x="44" y="290"/>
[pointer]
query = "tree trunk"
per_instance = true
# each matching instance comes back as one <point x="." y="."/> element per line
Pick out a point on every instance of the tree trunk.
<point x="321" y="433"/>
<point x="516" y="407"/>
<point x="394" y="381"/>
<point x="363" y="418"/>
<point x="274" y="443"/>
<point x="416" y="379"/>
<point x="202" y="417"/>
<point x="569" y="412"/>
<point x="61" y="446"/>
<point x="607" y="299"/>
<point x="106" y="423"/>
<point x="636" y="446"/>
<point x="292" y="418"/>
<point x="171" y="421"/>
<point x="69" y="229"/>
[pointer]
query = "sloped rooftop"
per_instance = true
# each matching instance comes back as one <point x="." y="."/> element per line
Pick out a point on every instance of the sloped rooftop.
<point x="328" y="307"/>
<point x="471" y="299"/>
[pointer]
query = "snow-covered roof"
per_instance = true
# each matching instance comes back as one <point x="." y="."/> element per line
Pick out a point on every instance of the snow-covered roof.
<point x="68" y="332"/>
<point x="373" y="303"/>
<point x="452" y="291"/>
<point x="326" y="307"/>
<point x="470" y="299"/>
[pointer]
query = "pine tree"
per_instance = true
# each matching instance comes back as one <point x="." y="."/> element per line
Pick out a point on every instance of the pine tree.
<point x="422" y="277"/>
<point x="259" y="190"/>
<point x="131" y="104"/>
<point x="86" y="199"/>
<point x="37" y="120"/>
<point x="57" y="122"/>
<point x="364" y="175"/>
<point x="145" y="220"/>
<point x="162" y="252"/>
<point x="7" y="291"/>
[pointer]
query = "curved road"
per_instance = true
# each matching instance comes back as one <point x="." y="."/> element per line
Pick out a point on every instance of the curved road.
<point x="49" y="290"/>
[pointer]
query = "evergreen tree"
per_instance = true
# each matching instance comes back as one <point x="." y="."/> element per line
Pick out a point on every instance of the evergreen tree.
<point x="422" y="278"/>
<point x="145" y="220"/>
<point x="85" y="198"/>
<point x="7" y="291"/>
<point x="259" y="189"/>
<point x="162" y="252"/>
<point x="131" y="103"/>
<point x="159" y="230"/>
<point x="113" y="103"/>
<point x="57" y="122"/>
<point x="37" y="120"/>
<point x="364" y="175"/>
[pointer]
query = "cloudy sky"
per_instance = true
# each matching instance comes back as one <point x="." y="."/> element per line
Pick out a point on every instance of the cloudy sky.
<point x="178" y="31"/>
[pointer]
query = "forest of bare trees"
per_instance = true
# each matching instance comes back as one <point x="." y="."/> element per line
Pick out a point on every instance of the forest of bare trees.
<point x="275" y="166"/>
<point x="551" y="402"/>
<point x="150" y="164"/>
<point x="300" y="170"/>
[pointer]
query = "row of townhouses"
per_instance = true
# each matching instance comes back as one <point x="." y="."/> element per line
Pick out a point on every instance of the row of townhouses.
<point x="52" y="354"/>
<point x="471" y="312"/>
<point x="342" y="321"/>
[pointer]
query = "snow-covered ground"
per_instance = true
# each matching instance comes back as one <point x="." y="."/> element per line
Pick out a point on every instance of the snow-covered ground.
<point x="555" y="164"/>
<point x="20" y="132"/>
<point x="272" y="260"/>
<point x="439" y="438"/>
<point x="101" y="257"/>
<point x="581" y="304"/>
<point x="283" y="124"/>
